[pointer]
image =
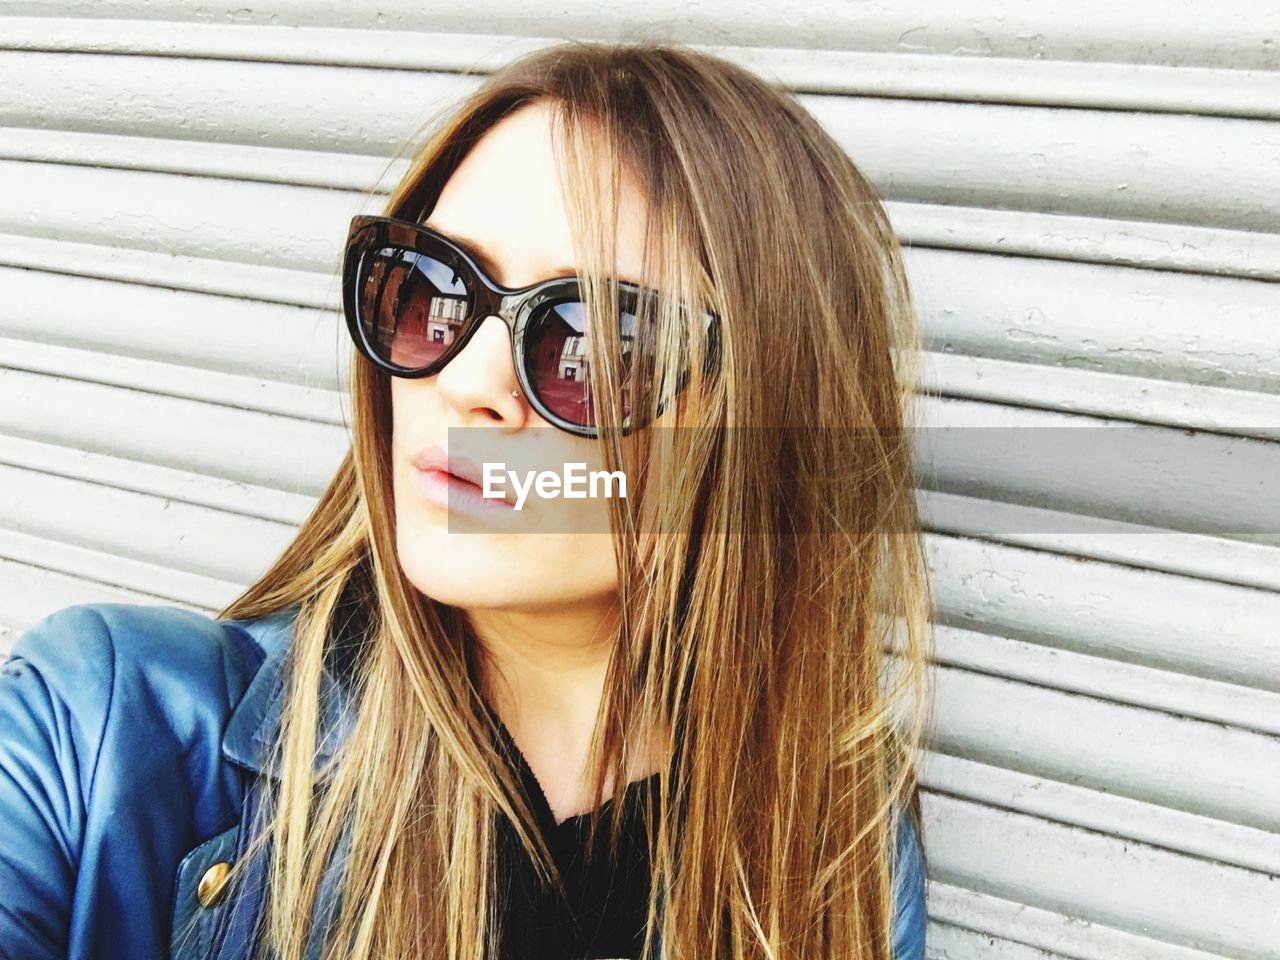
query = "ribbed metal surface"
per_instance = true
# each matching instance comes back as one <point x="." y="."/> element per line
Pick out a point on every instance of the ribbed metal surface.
<point x="1090" y="194"/>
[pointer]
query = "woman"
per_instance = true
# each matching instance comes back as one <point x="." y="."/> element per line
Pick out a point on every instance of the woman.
<point x="645" y="725"/>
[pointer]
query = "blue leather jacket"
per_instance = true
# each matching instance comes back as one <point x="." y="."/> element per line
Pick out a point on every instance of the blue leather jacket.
<point x="131" y="738"/>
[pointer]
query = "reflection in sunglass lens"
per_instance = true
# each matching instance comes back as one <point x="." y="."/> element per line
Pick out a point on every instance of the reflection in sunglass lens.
<point x="411" y="306"/>
<point x="558" y="361"/>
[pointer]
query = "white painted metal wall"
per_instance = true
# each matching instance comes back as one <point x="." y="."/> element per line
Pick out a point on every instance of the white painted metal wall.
<point x="1091" y="192"/>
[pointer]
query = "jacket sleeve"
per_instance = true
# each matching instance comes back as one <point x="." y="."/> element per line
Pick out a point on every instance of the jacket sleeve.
<point x="55" y="695"/>
<point x="910" y="918"/>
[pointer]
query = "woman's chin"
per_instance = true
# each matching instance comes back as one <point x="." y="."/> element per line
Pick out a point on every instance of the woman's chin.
<point x="479" y="570"/>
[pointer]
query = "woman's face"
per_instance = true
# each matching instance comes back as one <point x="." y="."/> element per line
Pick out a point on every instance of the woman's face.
<point x="505" y="199"/>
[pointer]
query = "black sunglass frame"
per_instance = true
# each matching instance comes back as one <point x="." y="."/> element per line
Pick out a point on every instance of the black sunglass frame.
<point x="515" y="306"/>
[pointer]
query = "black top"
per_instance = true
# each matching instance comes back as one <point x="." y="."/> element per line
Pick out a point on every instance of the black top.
<point x="607" y="899"/>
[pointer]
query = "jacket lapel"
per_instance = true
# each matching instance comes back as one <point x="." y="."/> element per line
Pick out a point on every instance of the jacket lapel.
<point x="252" y="726"/>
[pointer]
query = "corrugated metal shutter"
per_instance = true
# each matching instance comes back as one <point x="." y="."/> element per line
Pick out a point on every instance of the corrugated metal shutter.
<point x="1091" y="192"/>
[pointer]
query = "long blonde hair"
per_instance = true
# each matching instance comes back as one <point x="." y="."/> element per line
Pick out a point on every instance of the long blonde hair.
<point x="758" y="645"/>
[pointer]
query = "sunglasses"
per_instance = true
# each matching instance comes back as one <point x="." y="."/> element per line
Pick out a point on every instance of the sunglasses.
<point x="413" y="299"/>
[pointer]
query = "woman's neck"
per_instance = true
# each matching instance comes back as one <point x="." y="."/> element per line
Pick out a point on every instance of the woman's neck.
<point x="543" y="673"/>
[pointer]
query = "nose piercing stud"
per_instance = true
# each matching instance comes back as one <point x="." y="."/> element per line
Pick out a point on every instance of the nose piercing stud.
<point x="515" y="393"/>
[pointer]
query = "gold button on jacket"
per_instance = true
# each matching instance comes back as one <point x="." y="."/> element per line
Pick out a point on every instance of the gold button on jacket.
<point x="212" y="883"/>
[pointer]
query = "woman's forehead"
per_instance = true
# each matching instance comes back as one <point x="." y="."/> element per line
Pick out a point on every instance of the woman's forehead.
<point x="506" y="199"/>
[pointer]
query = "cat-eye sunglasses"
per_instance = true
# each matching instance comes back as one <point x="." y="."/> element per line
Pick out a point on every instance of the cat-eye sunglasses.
<point x="413" y="298"/>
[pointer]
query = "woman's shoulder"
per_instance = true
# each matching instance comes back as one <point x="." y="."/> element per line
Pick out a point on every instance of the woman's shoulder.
<point x="113" y="766"/>
<point x="91" y="654"/>
<point x="95" y="689"/>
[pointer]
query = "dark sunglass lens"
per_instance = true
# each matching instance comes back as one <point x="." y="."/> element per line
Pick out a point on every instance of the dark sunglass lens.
<point x="558" y="363"/>
<point x="558" y="360"/>
<point x="411" y="306"/>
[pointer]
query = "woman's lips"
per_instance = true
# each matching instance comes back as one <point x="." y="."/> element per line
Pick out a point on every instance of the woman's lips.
<point x="453" y="483"/>
<point x="435" y="458"/>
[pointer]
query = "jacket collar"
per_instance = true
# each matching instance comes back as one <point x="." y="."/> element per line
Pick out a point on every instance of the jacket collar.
<point x="254" y="721"/>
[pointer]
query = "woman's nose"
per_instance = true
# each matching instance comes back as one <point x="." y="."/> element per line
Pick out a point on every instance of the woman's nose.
<point x="480" y="382"/>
